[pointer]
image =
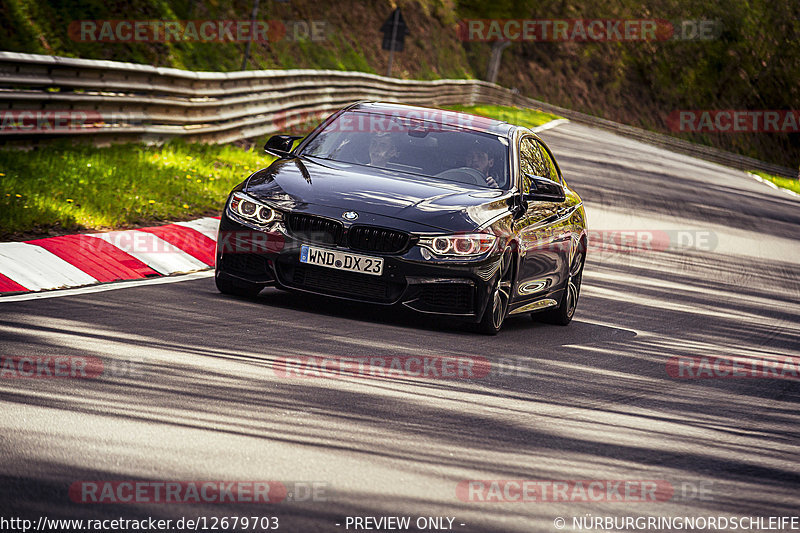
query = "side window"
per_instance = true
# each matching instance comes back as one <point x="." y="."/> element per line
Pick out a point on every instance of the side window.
<point x="550" y="166"/>
<point x="530" y="162"/>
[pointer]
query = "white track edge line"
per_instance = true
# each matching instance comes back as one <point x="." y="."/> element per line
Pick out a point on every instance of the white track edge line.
<point x="767" y="182"/>
<point x="123" y="284"/>
<point x="550" y="125"/>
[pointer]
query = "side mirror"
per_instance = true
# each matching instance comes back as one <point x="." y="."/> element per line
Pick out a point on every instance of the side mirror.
<point x="545" y="190"/>
<point x="518" y="206"/>
<point x="280" y="145"/>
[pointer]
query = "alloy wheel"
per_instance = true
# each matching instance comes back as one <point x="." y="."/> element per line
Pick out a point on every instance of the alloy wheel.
<point x="574" y="282"/>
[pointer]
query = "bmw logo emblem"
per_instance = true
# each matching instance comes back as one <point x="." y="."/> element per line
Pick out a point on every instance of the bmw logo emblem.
<point x="349" y="215"/>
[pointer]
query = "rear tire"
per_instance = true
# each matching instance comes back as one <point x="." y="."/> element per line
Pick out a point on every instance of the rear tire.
<point x="562" y="315"/>
<point x="235" y="287"/>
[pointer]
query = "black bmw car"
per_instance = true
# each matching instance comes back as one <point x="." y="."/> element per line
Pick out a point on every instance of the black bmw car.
<point x="441" y="212"/>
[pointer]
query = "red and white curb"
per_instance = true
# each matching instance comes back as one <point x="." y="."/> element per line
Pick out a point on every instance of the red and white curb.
<point x="89" y="259"/>
<point x="770" y="184"/>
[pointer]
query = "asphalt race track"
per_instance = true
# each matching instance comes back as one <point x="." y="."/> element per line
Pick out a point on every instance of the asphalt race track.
<point x="195" y="388"/>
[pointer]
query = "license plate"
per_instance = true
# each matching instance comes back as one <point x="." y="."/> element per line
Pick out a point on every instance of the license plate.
<point x="341" y="260"/>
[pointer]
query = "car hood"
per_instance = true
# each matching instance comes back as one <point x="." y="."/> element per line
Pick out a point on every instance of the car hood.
<point x="300" y="183"/>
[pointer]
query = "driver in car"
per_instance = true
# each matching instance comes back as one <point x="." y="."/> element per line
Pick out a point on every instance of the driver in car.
<point x="479" y="159"/>
<point x="381" y="149"/>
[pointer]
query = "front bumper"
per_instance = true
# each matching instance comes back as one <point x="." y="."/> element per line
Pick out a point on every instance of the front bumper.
<point x="459" y="289"/>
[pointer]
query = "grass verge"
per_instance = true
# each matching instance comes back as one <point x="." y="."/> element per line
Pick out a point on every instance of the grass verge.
<point x="785" y="183"/>
<point x="68" y="188"/>
<point x="530" y="118"/>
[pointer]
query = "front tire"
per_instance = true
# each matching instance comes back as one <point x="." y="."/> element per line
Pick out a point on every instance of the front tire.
<point x="235" y="287"/>
<point x="497" y="305"/>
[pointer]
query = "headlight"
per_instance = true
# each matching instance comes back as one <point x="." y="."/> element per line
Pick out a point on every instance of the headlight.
<point x="466" y="245"/>
<point x="252" y="210"/>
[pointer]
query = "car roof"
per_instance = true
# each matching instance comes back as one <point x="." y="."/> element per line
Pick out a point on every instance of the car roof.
<point x="442" y="116"/>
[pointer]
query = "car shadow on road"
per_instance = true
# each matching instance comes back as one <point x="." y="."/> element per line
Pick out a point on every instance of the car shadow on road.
<point x="312" y="306"/>
<point x="590" y="401"/>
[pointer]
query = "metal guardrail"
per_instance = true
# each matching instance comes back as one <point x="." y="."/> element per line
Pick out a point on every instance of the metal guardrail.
<point x="120" y="102"/>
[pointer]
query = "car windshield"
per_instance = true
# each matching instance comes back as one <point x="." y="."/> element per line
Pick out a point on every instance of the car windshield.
<point x="444" y="151"/>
